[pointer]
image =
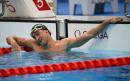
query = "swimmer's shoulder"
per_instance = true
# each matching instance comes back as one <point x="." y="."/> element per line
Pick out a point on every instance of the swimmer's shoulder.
<point x="66" y="39"/>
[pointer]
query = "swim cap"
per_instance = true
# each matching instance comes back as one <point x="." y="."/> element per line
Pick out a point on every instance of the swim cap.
<point x="38" y="27"/>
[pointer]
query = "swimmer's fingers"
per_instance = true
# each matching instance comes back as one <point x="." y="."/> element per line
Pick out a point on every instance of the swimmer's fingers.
<point x="16" y="48"/>
<point x="116" y="19"/>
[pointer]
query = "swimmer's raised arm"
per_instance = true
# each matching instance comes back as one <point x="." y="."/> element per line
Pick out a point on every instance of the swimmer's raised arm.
<point x="17" y="42"/>
<point x="96" y="30"/>
<point x="78" y="41"/>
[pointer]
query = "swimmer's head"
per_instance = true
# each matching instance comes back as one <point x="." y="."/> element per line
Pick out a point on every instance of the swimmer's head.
<point x="38" y="27"/>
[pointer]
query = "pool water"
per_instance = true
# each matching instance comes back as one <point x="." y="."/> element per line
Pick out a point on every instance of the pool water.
<point x="21" y="59"/>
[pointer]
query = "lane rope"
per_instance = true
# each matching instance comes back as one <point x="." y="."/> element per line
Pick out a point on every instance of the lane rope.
<point x="6" y="50"/>
<point x="88" y="64"/>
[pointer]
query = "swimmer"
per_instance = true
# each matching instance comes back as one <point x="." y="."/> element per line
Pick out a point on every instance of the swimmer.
<point x="43" y="42"/>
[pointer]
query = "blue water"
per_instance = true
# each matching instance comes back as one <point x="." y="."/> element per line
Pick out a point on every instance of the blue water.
<point x="21" y="59"/>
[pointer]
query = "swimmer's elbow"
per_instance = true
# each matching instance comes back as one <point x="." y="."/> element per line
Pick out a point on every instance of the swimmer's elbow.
<point x="9" y="39"/>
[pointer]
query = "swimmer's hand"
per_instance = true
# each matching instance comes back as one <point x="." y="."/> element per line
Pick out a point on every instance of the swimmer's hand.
<point x="115" y="19"/>
<point x="12" y="41"/>
<point x="16" y="48"/>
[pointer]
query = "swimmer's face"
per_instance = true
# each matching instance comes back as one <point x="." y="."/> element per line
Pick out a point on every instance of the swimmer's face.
<point x="40" y="33"/>
<point x="41" y="36"/>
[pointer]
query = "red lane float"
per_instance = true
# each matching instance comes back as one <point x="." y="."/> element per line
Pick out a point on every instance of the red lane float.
<point x="4" y="51"/>
<point x="65" y="66"/>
